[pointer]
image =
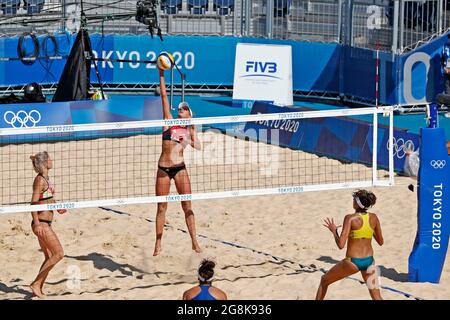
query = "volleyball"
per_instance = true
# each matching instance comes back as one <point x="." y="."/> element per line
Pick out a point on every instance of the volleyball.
<point x="165" y="61"/>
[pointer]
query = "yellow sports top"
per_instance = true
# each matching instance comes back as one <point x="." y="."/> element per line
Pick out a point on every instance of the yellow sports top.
<point x="366" y="230"/>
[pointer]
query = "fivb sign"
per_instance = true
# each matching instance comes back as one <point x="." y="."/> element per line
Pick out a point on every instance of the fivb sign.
<point x="263" y="72"/>
<point x="261" y="69"/>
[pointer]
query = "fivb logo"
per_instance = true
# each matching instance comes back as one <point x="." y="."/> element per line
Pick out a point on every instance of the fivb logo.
<point x="261" y="69"/>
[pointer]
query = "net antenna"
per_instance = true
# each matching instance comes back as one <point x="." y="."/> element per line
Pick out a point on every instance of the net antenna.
<point x="183" y="83"/>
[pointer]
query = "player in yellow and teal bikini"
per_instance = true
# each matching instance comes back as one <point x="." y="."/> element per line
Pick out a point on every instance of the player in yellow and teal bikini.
<point x="358" y="228"/>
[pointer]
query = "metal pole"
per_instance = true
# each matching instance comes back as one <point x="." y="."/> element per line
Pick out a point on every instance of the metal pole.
<point x="444" y="16"/>
<point x="402" y="23"/>
<point x="171" y="89"/>
<point x="242" y="17"/>
<point x="269" y="18"/>
<point x="349" y="23"/>
<point x="63" y="21"/>
<point x="339" y="32"/>
<point x="375" y="148"/>
<point x="81" y="6"/>
<point x="377" y="78"/>
<point x="395" y="27"/>
<point x="183" y="79"/>
<point x="391" y="147"/>
<point x="248" y="17"/>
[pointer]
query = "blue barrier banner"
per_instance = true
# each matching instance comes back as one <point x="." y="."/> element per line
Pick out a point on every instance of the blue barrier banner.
<point x="420" y="74"/>
<point x="41" y="71"/>
<point x="196" y="56"/>
<point x="288" y="130"/>
<point x="358" y="74"/>
<point x="403" y="141"/>
<point x="427" y="258"/>
<point x="338" y="138"/>
<point x="79" y="112"/>
<point x="205" y="60"/>
<point x="342" y="138"/>
<point x="412" y="78"/>
<point x="35" y="114"/>
<point x="315" y="66"/>
<point x="359" y="62"/>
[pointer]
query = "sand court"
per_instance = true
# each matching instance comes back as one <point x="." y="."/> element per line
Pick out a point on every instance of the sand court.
<point x="109" y="254"/>
<point x="112" y="252"/>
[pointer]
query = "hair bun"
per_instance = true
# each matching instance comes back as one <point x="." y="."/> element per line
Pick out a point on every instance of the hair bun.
<point x="208" y="264"/>
<point x="366" y="197"/>
<point x="206" y="270"/>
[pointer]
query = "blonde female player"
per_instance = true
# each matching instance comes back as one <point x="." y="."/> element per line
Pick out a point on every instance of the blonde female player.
<point x="43" y="193"/>
<point x="358" y="229"/>
<point x="171" y="166"/>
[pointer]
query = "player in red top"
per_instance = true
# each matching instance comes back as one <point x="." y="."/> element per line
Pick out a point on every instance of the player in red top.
<point x="171" y="166"/>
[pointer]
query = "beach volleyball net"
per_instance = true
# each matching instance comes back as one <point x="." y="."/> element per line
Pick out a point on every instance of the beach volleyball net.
<point x="111" y="164"/>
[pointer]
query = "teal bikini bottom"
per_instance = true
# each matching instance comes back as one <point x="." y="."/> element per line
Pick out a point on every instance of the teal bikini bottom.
<point x="362" y="263"/>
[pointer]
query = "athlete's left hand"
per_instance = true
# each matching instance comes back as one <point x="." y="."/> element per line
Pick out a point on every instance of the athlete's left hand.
<point x="329" y="223"/>
<point x="185" y="142"/>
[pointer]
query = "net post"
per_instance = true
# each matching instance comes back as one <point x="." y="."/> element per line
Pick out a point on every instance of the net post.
<point x="377" y="77"/>
<point x="391" y="147"/>
<point x="375" y="146"/>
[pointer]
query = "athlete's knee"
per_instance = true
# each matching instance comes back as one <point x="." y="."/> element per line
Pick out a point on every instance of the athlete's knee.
<point x="162" y="208"/>
<point x="58" y="256"/>
<point x="188" y="212"/>
<point x="375" y="294"/>
<point x="187" y="207"/>
<point x="324" y="281"/>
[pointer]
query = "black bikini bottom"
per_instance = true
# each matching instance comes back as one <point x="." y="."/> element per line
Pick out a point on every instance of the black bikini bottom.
<point x="172" y="171"/>
<point x="44" y="221"/>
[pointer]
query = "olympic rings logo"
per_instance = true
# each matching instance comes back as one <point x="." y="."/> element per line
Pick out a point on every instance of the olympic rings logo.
<point x="401" y="146"/>
<point x="438" y="164"/>
<point x="22" y="118"/>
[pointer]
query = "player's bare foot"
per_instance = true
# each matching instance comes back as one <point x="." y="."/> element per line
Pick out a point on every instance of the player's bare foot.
<point x="42" y="291"/>
<point x="36" y="291"/>
<point x="157" y="251"/>
<point x="196" y="248"/>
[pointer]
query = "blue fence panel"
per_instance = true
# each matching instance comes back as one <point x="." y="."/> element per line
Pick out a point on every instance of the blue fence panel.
<point x="411" y="78"/>
<point x="420" y="75"/>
